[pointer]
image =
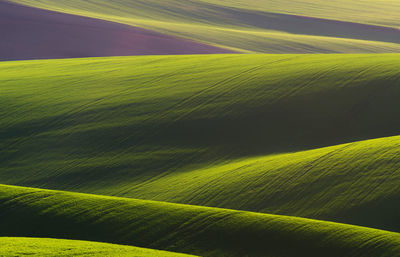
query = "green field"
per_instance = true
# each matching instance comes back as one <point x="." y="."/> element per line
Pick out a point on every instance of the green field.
<point x="242" y="25"/>
<point x="382" y="12"/>
<point x="184" y="228"/>
<point x="22" y="246"/>
<point x="280" y="150"/>
<point x="211" y="130"/>
<point x="354" y="183"/>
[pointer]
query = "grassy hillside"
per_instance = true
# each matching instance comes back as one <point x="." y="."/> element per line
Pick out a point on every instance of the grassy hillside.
<point x="251" y="26"/>
<point x="354" y="183"/>
<point x="20" y="246"/>
<point x="72" y="36"/>
<point x="199" y="230"/>
<point x="382" y="12"/>
<point x="184" y="128"/>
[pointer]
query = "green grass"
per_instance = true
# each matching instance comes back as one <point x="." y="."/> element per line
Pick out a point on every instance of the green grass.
<point x="355" y="183"/>
<point x="197" y="230"/>
<point x="20" y="246"/>
<point x="230" y="131"/>
<point x="215" y="22"/>
<point x="383" y="12"/>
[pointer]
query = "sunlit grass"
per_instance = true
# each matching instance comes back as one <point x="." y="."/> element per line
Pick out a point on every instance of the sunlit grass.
<point x="230" y="131"/>
<point x="183" y="228"/>
<point x="24" y="246"/>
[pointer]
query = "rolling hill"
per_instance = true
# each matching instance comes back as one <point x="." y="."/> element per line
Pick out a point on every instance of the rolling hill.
<point x="197" y="230"/>
<point x="28" y="246"/>
<point x="189" y="148"/>
<point x="31" y="33"/>
<point x="353" y="183"/>
<point x="210" y="130"/>
<point x="253" y="26"/>
<point x="382" y="12"/>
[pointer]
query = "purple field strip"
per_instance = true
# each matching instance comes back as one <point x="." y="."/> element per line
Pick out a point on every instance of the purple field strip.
<point x="31" y="33"/>
<point x="304" y="25"/>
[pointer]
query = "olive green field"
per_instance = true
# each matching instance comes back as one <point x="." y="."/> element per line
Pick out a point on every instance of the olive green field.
<point x="188" y="128"/>
<point x="209" y="155"/>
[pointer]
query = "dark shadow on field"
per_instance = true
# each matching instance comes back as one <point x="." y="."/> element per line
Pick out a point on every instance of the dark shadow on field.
<point x="297" y="24"/>
<point x="156" y="147"/>
<point x="31" y="33"/>
<point x="196" y="230"/>
<point x="383" y="213"/>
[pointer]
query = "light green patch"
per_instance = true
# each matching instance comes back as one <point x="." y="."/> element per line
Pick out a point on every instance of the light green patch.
<point x="24" y="246"/>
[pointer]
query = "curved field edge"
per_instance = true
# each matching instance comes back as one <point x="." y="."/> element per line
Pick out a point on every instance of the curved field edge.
<point x="367" y="11"/>
<point x="72" y="36"/>
<point x="351" y="183"/>
<point x="196" y="230"/>
<point x="384" y="12"/>
<point x="121" y="126"/>
<point x="24" y="246"/>
<point x="234" y="28"/>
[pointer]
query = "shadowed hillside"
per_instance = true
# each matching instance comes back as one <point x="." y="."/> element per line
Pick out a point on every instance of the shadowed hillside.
<point x="31" y="33"/>
<point x="245" y="26"/>
<point x="213" y="128"/>
<point x="164" y="128"/>
<point x="198" y="230"/>
<point x="383" y="12"/>
<point x="351" y="183"/>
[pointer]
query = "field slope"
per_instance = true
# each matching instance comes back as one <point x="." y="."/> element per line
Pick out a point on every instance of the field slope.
<point x="31" y="33"/>
<point x="197" y="230"/>
<point x="383" y="12"/>
<point x="250" y="26"/>
<point x="210" y="130"/>
<point x="24" y="246"/>
<point x="355" y="183"/>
